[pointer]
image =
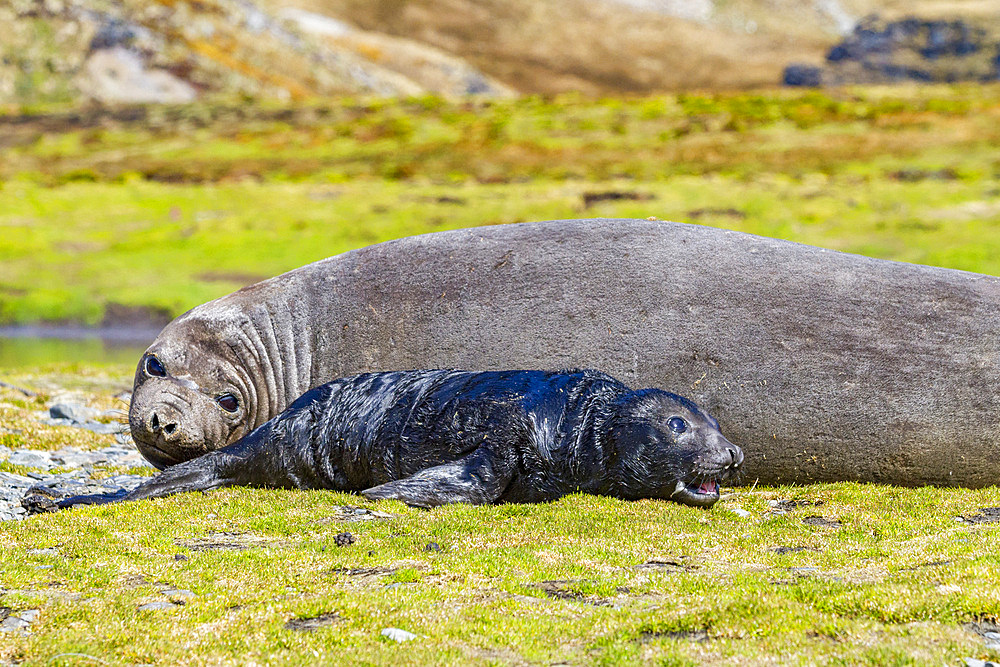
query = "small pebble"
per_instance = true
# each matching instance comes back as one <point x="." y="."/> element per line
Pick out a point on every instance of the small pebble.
<point x="13" y="624"/>
<point x="739" y="511"/>
<point x="180" y="557"/>
<point x="432" y="546"/>
<point x="398" y="635"/>
<point x="156" y="605"/>
<point x="74" y="412"/>
<point x="973" y="662"/>
<point x="31" y="459"/>
<point x="179" y="593"/>
<point x="10" y="479"/>
<point x="19" y="622"/>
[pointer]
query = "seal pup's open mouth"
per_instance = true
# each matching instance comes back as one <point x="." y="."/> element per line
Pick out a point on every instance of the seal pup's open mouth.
<point x="701" y="494"/>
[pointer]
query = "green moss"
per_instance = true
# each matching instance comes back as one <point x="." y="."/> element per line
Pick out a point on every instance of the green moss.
<point x="16" y="469"/>
<point x="735" y="598"/>
<point x="908" y="176"/>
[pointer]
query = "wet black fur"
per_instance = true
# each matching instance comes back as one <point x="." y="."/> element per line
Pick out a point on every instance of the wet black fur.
<point x="430" y="437"/>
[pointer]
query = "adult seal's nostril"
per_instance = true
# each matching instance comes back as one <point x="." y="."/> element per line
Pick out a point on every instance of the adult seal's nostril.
<point x="163" y="426"/>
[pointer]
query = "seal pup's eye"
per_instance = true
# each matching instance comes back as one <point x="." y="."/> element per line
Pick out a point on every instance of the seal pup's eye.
<point x="154" y="367"/>
<point x="677" y="425"/>
<point x="228" y="402"/>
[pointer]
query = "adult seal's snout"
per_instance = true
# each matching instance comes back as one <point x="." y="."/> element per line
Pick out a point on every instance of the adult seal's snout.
<point x="166" y="426"/>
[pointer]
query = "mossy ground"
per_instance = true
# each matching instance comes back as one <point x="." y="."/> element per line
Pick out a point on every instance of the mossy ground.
<point x="162" y="209"/>
<point x="848" y="574"/>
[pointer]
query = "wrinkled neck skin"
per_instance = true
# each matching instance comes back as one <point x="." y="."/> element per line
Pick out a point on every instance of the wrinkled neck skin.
<point x="618" y="478"/>
<point x="272" y="364"/>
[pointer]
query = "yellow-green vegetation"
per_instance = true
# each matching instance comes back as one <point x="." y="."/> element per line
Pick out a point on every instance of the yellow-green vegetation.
<point x="101" y="387"/>
<point x="162" y="209"/>
<point x="823" y="574"/>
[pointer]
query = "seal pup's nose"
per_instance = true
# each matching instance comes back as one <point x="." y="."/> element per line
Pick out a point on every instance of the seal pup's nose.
<point x="735" y="456"/>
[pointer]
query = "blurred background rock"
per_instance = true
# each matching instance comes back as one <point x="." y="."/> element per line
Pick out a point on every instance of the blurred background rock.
<point x="178" y="51"/>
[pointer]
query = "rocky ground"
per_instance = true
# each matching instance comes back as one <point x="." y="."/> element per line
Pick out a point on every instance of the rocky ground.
<point x="69" y="470"/>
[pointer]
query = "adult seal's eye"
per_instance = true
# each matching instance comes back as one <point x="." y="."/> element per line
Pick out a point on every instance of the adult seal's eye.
<point x="228" y="402"/>
<point x="154" y="367"/>
<point x="677" y="425"/>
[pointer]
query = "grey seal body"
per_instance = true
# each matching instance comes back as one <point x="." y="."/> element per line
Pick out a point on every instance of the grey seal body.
<point x="824" y="366"/>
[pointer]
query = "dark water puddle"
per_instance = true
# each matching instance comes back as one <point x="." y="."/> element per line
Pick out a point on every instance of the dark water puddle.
<point x="22" y="347"/>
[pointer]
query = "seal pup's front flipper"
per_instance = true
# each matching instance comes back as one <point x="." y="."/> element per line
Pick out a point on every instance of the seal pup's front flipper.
<point x="244" y="463"/>
<point x="255" y="460"/>
<point x="201" y="474"/>
<point x="475" y="479"/>
<point x="40" y="500"/>
<point x="195" y="475"/>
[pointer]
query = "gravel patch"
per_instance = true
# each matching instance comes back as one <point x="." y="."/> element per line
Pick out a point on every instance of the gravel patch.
<point x="308" y="624"/>
<point x="79" y="470"/>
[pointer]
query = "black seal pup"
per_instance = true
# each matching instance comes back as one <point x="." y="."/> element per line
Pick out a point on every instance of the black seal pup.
<point x="430" y="437"/>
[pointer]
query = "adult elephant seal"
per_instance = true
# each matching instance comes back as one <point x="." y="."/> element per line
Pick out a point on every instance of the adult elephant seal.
<point x="823" y="365"/>
<point x="431" y="437"/>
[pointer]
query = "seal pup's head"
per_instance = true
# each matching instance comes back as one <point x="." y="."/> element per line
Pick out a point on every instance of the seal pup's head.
<point x="190" y="395"/>
<point x="665" y="446"/>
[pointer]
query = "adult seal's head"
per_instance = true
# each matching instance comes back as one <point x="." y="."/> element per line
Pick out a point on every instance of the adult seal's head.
<point x="192" y="392"/>
<point x="661" y="445"/>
